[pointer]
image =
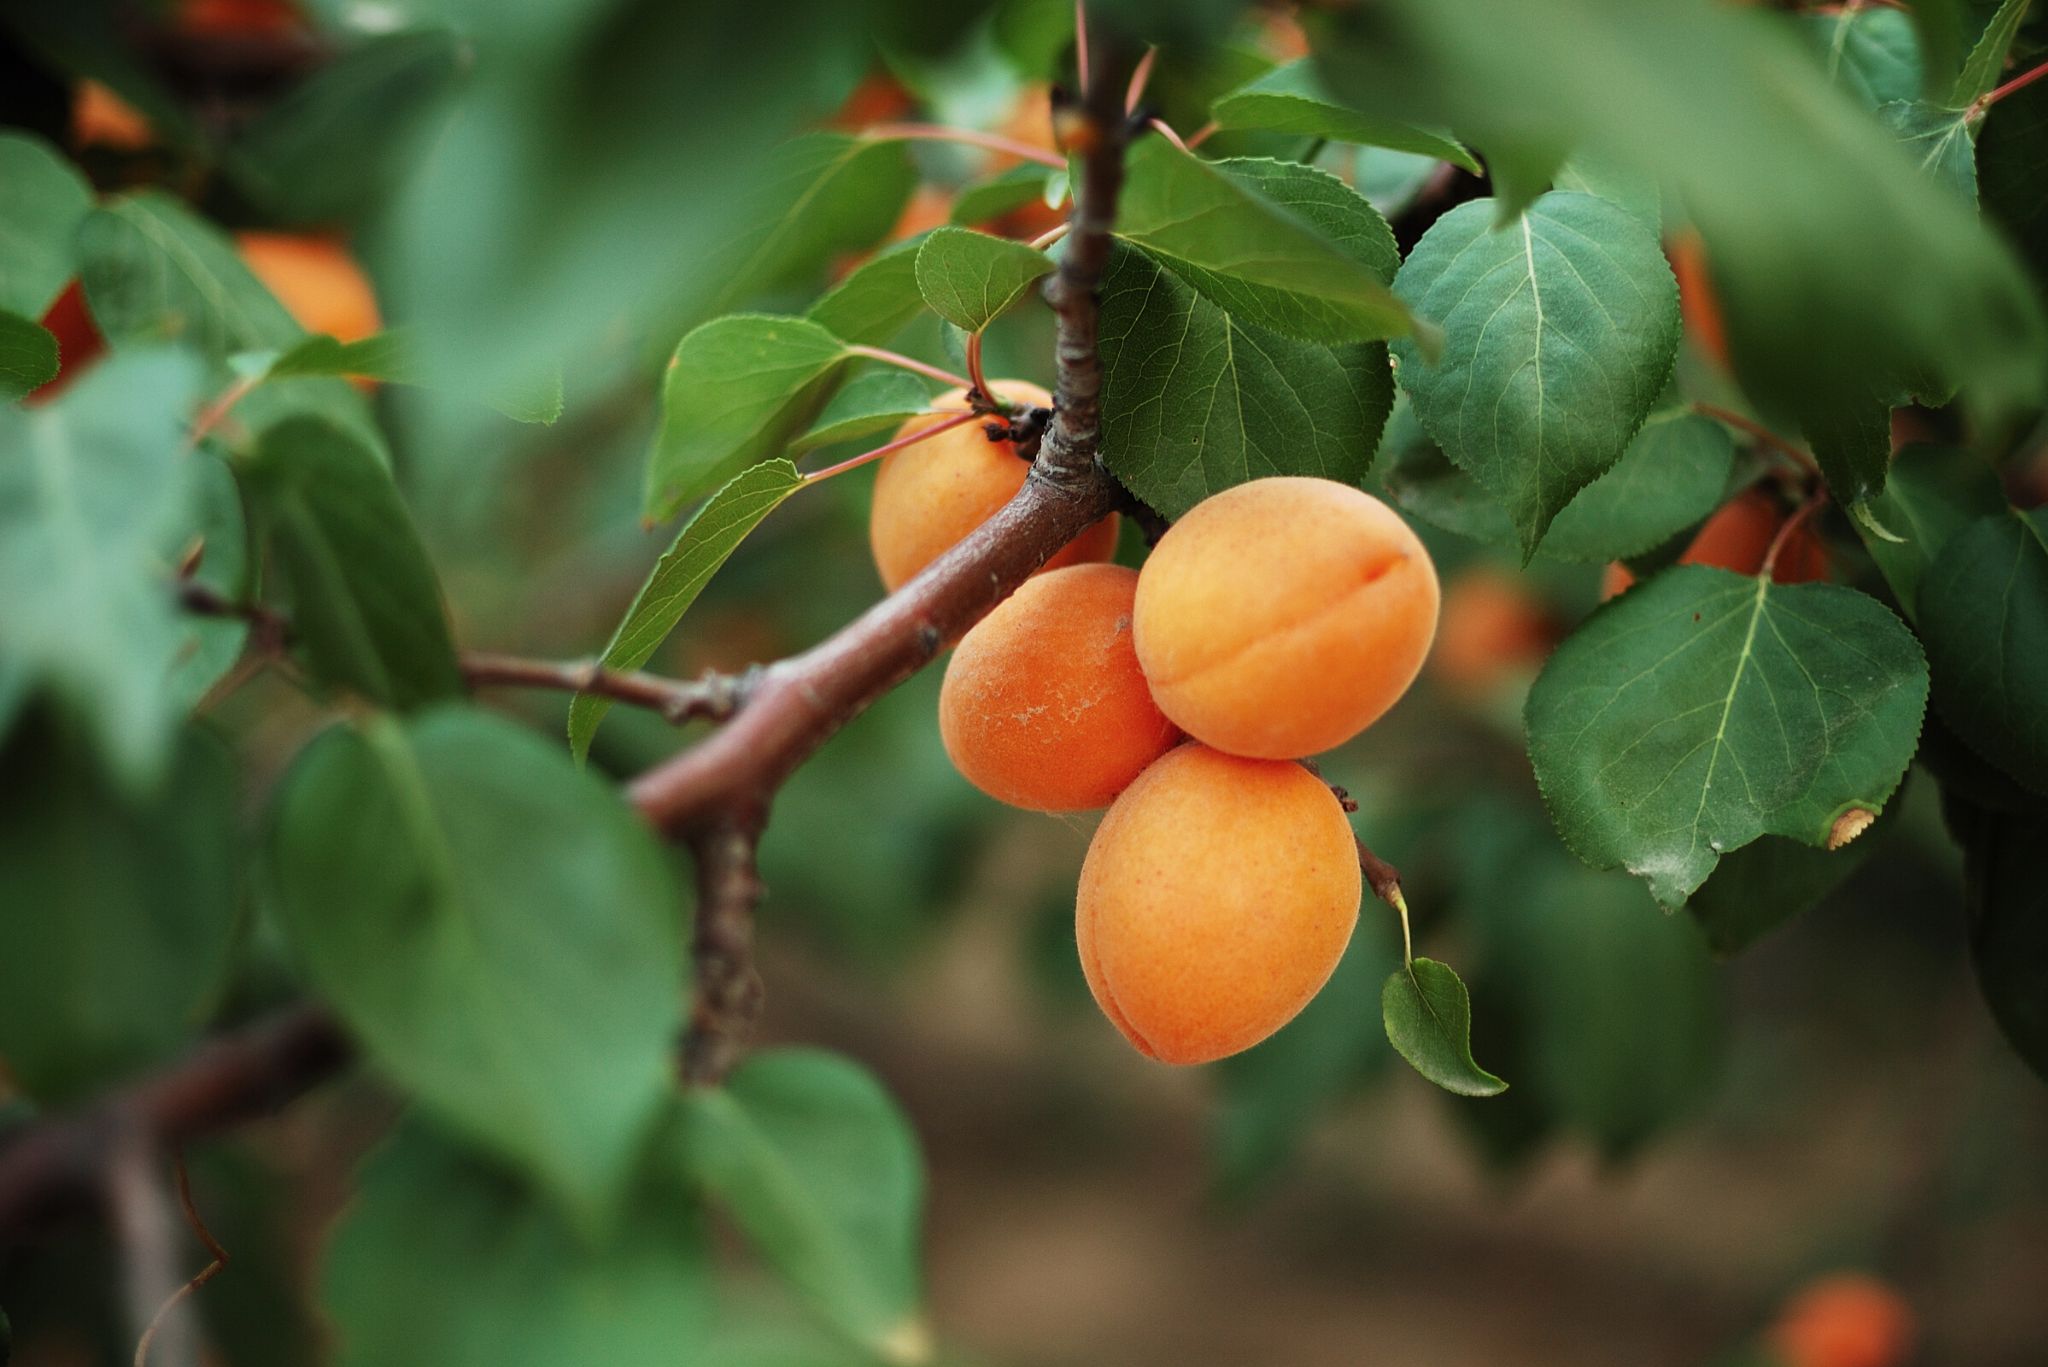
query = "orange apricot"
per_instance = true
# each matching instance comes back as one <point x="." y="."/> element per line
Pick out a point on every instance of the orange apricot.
<point x="1738" y="537"/>
<point x="1492" y="630"/>
<point x="1844" y="1320"/>
<point x="1215" y="901"/>
<point x="929" y="496"/>
<point x="1698" y="306"/>
<point x="927" y="208"/>
<point x="1044" y="706"/>
<point x="316" y="279"/>
<point x="1281" y="617"/>
<point x="100" y="118"/>
<point x="79" y="342"/>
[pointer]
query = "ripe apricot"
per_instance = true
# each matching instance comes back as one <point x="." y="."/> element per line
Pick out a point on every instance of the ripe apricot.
<point x="1492" y="630"/>
<point x="100" y="118"/>
<point x="79" y="342"/>
<point x="1738" y="537"/>
<point x="929" y="496"/>
<point x="927" y="208"/>
<point x="1698" y="306"/>
<point x="1044" y="706"/>
<point x="1844" y="1320"/>
<point x="1215" y="901"/>
<point x="317" y="281"/>
<point x="1282" y="617"/>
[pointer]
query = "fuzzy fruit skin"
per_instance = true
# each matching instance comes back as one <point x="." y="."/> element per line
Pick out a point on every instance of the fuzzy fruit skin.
<point x="317" y="281"/>
<point x="1215" y="901"/>
<point x="929" y="496"/>
<point x="1281" y="617"/>
<point x="1844" y="1320"/>
<point x="1044" y="706"/>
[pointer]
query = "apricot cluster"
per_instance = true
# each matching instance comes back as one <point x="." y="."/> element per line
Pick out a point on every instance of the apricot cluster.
<point x="1276" y="620"/>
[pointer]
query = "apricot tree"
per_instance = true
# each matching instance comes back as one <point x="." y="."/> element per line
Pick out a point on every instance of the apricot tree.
<point x="1723" y="298"/>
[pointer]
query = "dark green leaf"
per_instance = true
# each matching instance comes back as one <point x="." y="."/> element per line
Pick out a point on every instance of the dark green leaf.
<point x="1429" y="1022"/>
<point x="1766" y="883"/>
<point x="341" y="137"/>
<point x="364" y="601"/>
<point x="1559" y="334"/>
<point x="1291" y="99"/>
<point x="212" y="645"/>
<point x="738" y="391"/>
<point x="1852" y="441"/>
<point x="879" y="401"/>
<point x="1985" y="66"/>
<point x="2012" y="146"/>
<point x="120" y="910"/>
<point x="1196" y="400"/>
<point x="154" y="271"/>
<point x="333" y="401"/>
<point x="1939" y="24"/>
<point x="46" y="200"/>
<point x="1001" y="194"/>
<point x="444" y="1261"/>
<point x="1868" y="50"/>
<point x="1416" y="474"/>
<point x="95" y="493"/>
<point x="28" y="356"/>
<point x="1390" y="180"/>
<point x="1271" y="268"/>
<point x="1673" y="474"/>
<point x="1983" y="612"/>
<point x="499" y="929"/>
<point x="712" y="534"/>
<point x="819" y="1167"/>
<point x="2007" y="901"/>
<point x="877" y="301"/>
<point x="1592" y="173"/>
<point x="1703" y="709"/>
<point x="1941" y="143"/>
<point x="1932" y="493"/>
<point x="970" y="278"/>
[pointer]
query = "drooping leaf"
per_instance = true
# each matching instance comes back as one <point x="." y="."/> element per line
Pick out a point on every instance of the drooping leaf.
<point x="970" y="278"/>
<point x="46" y="200"/>
<point x="1932" y="493"/>
<point x="154" y="271"/>
<point x="1673" y="474"/>
<point x="737" y="392"/>
<point x="500" y="931"/>
<point x="95" y="493"/>
<point x="713" y="532"/>
<point x="1852" y="442"/>
<point x="1767" y="882"/>
<point x="1428" y="1016"/>
<point x="120" y="909"/>
<point x="443" y="1260"/>
<point x="876" y="301"/>
<point x="1940" y="141"/>
<point x="365" y="605"/>
<point x="820" y="1169"/>
<point x="1003" y="193"/>
<point x="1984" y="67"/>
<point x="2007" y="901"/>
<point x="28" y="356"/>
<point x="392" y="357"/>
<point x="1983" y="612"/>
<point x="1703" y="709"/>
<point x="878" y="401"/>
<point x="1196" y="400"/>
<point x="1559" y="333"/>
<point x="1870" y="51"/>
<point x="1291" y="99"/>
<point x="1224" y="234"/>
<point x="342" y="136"/>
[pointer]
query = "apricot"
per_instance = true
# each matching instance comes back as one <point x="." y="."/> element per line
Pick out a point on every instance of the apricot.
<point x="927" y="208"/>
<point x="1844" y="1320"/>
<point x="79" y="342"/>
<point x="316" y="279"/>
<point x="1493" y="629"/>
<point x="1738" y="537"/>
<point x="1698" y="307"/>
<point x="100" y="118"/>
<point x="1215" y="901"/>
<point x="1044" y="706"/>
<point x="1282" y="617"/>
<point x="929" y="496"/>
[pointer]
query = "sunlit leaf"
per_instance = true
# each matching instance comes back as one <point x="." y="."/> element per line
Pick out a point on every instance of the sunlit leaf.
<point x="970" y="278"/>
<point x="876" y="301"/>
<point x="879" y="401"/>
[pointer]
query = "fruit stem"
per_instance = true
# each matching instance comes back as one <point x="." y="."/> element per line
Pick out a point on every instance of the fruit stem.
<point x="898" y="359"/>
<point x="993" y="142"/>
<point x="978" y="393"/>
<point x="1800" y="514"/>
<point x="957" y="420"/>
<point x="1202" y="135"/>
<point x="1764" y="435"/>
<point x="1385" y="881"/>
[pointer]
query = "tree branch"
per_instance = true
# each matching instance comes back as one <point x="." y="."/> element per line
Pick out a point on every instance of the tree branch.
<point x="728" y="1000"/>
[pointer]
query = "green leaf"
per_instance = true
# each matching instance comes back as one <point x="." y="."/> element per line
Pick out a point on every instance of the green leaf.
<point x="444" y="1261"/>
<point x="341" y="137"/>
<point x="1291" y="99"/>
<point x="1560" y="332"/>
<point x="1852" y="442"/>
<point x="391" y="356"/>
<point x="212" y="645"/>
<point x="1985" y="66"/>
<point x="1932" y="493"/>
<point x="364" y="601"/>
<point x="1703" y="709"/>
<point x="738" y="391"/>
<point x="2007" y="901"/>
<point x="711" y="535"/>
<point x="28" y="356"/>
<point x="1002" y="194"/>
<point x="1219" y="228"/>
<point x="879" y="401"/>
<point x="154" y="271"/>
<point x="1673" y="474"/>
<point x="1939" y="24"/>
<point x="1941" y="142"/>
<point x="1983" y="613"/>
<point x="1391" y="181"/>
<point x="39" y="216"/>
<point x="1592" y="173"/>
<point x="876" y="301"/>
<point x="1196" y="400"/>
<point x="1428" y="1017"/>
<point x="331" y="400"/>
<point x="1418" y="477"/>
<point x="120" y="910"/>
<point x="95" y="492"/>
<point x="1870" y="51"/>
<point x="822" y="194"/>
<point x="499" y="929"/>
<point x="1767" y="882"/>
<point x="822" y="1172"/>
<point x="970" y="278"/>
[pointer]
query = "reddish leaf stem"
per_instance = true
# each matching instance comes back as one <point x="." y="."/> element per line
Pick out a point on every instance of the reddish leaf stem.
<point x="973" y="137"/>
<point x="922" y="434"/>
<point x="902" y="362"/>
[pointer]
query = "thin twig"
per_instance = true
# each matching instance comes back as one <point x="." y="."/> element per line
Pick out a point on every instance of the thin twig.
<point x="709" y="697"/>
<point x="1813" y="504"/>
<point x="1201" y="135"/>
<point x="206" y="1274"/>
<point x="1764" y="435"/>
<point x="993" y="142"/>
<point x="1165" y="130"/>
<point x="2019" y="82"/>
<point x="897" y="359"/>
<point x="889" y="448"/>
